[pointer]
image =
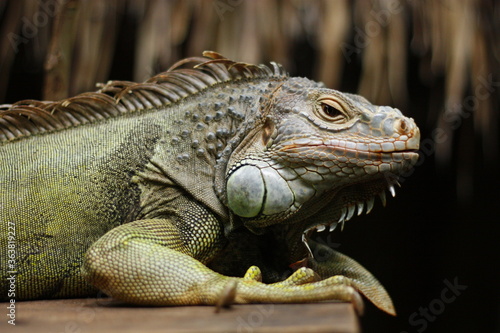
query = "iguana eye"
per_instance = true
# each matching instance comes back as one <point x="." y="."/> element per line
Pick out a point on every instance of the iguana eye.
<point x="332" y="111"/>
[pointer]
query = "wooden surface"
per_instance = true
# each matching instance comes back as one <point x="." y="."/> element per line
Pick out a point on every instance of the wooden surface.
<point x="91" y="315"/>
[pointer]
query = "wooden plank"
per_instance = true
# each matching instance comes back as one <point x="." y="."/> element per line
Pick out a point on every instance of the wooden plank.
<point x="91" y="315"/>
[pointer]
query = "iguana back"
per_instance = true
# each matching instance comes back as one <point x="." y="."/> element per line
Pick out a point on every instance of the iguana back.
<point x="68" y="167"/>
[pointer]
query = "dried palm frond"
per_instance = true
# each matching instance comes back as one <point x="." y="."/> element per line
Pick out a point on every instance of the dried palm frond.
<point x="456" y="45"/>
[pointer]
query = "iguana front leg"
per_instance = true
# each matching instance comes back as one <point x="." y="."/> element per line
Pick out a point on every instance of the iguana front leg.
<point x="328" y="262"/>
<point x="154" y="262"/>
<point x="146" y="262"/>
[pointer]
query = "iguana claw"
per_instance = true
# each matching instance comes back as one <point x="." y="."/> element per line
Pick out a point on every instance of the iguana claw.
<point x="227" y="295"/>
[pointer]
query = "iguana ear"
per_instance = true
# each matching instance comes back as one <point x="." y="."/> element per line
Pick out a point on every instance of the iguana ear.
<point x="252" y="147"/>
<point x="268" y="131"/>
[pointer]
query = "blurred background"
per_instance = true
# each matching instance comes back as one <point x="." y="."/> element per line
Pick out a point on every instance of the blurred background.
<point x="436" y="246"/>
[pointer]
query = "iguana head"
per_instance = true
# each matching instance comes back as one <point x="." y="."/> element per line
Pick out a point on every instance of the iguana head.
<point x="318" y="157"/>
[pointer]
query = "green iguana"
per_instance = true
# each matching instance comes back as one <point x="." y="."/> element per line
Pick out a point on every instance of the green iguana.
<point x="202" y="185"/>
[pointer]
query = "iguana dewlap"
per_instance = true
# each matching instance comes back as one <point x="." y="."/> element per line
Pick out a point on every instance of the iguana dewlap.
<point x="202" y="185"/>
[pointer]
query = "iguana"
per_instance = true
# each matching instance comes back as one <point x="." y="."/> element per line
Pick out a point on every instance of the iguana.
<point x="206" y="184"/>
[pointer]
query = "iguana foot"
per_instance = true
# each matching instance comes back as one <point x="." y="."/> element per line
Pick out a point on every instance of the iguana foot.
<point x="333" y="262"/>
<point x="301" y="287"/>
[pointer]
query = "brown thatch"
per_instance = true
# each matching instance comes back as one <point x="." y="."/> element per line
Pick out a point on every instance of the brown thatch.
<point x="77" y="43"/>
<point x="30" y="117"/>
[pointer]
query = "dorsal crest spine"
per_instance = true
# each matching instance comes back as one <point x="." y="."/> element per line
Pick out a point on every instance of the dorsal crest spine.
<point x="29" y="117"/>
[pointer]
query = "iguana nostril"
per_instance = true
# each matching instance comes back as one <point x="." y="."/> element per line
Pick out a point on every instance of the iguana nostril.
<point x="401" y="126"/>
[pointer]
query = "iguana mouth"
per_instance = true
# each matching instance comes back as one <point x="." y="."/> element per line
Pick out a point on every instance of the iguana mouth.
<point x="358" y="207"/>
<point x="346" y="201"/>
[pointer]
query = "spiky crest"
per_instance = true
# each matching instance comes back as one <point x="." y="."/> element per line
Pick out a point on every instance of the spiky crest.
<point x="29" y="117"/>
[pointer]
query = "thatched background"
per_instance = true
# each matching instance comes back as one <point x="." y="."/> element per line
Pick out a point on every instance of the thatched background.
<point x="438" y="61"/>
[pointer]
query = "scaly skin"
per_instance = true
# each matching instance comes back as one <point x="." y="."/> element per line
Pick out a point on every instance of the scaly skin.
<point x="200" y="186"/>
